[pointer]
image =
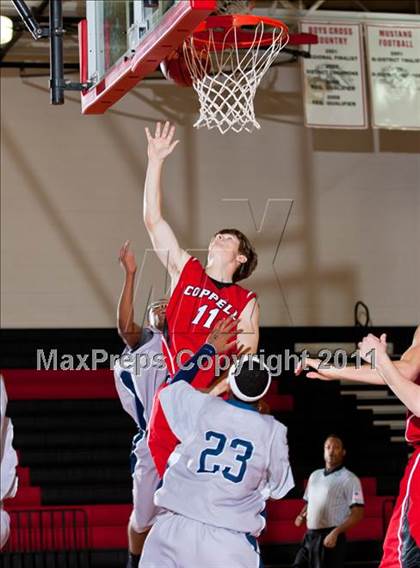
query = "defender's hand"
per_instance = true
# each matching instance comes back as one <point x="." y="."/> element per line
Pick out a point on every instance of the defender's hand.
<point x="223" y="335"/>
<point x="127" y="258"/>
<point x="161" y="144"/>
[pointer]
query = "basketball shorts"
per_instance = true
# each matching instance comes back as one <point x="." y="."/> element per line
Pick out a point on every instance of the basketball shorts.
<point x="145" y="482"/>
<point x="402" y="541"/>
<point x="178" y="542"/>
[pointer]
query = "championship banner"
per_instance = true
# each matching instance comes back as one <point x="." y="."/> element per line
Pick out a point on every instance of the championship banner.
<point x="394" y="69"/>
<point x="334" y="77"/>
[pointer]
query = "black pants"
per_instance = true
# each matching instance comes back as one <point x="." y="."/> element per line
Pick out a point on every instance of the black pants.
<point x="313" y="554"/>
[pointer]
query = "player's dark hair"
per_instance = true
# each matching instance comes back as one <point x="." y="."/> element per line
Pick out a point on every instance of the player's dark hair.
<point x="245" y="248"/>
<point x="336" y="437"/>
<point x="251" y="377"/>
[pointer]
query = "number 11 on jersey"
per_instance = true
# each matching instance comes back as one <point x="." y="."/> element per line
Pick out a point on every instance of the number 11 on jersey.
<point x="211" y="315"/>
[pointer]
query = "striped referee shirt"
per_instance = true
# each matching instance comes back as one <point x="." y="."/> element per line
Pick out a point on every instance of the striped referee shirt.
<point x="330" y="495"/>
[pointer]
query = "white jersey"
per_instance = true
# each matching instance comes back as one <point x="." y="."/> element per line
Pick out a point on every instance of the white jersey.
<point x="330" y="496"/>
<point x="8" y="461"/>
<point x="138" y="374"/>
<point x="231" y="459"/>
<point x="8" y="464"/>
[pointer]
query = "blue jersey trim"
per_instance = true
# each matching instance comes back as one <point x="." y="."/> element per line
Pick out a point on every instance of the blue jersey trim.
<point x="241" y="404"/>
<point x="253" y="542"/>
<point x="133" y="458"/>
<point x="263" y="513"/>
<point x="190" y="369"/>
<point x="127" y="381"/>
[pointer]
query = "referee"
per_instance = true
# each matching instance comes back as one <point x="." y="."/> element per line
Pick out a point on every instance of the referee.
<point x="334" y="504"/>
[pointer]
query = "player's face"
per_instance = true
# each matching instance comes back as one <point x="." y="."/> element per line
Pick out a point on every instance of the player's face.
<point x="225" y="245"/>
<point x="333" y="452"/>
<point x="157" y="315"/>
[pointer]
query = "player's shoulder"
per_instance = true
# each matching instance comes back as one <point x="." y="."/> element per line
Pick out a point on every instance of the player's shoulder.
<point x="245" y="300"/>
<point x="261" y="423"/>
<point x="146" y="336"/>
<point x="247" y="294"/>
<point x="412" y="357"/>
<point x="277" y="431"/>
<point x="192" y="265"/>
<point x="278" y="427"/>
<point x="271" y="431"/>
<point x="184" y="390"/>
<point x="192" y="270"/>
<point x="317" y="473"/>
<point x="349" y="475"/>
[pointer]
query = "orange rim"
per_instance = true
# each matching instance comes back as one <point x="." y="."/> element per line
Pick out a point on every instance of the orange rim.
<point x="220" y="32"/>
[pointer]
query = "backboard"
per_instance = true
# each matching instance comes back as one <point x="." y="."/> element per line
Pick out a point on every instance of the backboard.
<point x="122" y="41"/>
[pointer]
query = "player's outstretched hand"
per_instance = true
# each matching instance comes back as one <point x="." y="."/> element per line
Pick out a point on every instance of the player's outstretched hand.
<point x="162" y="143"/>
<point x="127" y="258"/>
<point x="308" y="363"/>
<point x="373" y="346"/>
<point x="223" y="335"/>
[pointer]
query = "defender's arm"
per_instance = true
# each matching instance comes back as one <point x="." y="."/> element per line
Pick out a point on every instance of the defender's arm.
<point x="128" y="330"/>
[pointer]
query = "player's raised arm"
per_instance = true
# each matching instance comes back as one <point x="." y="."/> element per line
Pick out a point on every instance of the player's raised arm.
<point x="128" y="330"/>
<point x="160" y="146"/>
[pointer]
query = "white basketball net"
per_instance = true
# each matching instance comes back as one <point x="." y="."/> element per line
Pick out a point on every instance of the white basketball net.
<point x="226" y="80"/>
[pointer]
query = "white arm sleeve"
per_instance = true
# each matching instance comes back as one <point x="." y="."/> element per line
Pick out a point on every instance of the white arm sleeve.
<point x="182" y="406"/>
<point x="280" y="474"/>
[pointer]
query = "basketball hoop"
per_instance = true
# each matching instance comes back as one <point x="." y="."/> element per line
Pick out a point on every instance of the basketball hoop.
<point x="227" y="56"/>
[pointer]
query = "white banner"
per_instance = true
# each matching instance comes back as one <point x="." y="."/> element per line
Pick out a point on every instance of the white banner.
<point x="394" y="69"/>
<point x="334" y="77"/>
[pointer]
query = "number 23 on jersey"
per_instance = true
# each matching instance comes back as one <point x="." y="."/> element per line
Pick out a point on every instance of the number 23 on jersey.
<point x="208" y="463"/>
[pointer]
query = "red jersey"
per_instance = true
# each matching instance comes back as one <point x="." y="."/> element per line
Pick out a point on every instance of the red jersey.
<point x="412" y="430"/>
<point x="197" y="303"/>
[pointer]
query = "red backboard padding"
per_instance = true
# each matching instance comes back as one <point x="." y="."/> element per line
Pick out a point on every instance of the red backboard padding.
<point x="165" y="38"/>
